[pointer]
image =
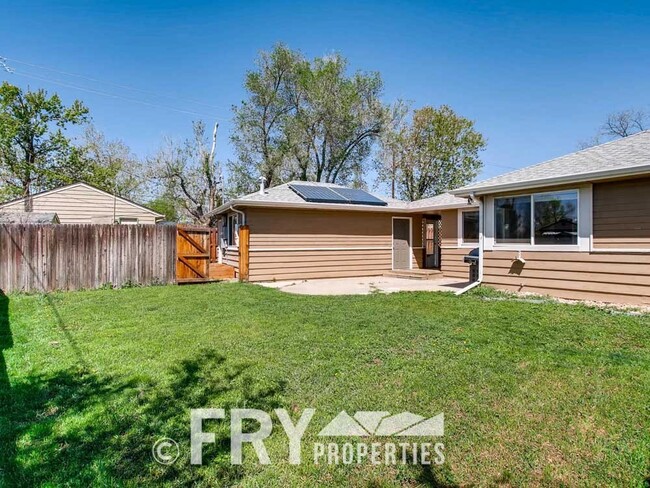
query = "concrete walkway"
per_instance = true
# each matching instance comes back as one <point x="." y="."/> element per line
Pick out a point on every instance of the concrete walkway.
<point x="365" y="285"/>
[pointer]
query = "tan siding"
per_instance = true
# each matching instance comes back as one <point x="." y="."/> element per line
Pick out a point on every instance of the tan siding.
<point x="84" y="205"/>
<point x="300" y="244"/>
<point x="295" y="244"/>
<point x="449" y="234"/>
<point x="231" y="258"/>
<point x="452" y="262"/>
<point x="622" y="215"/>
<point x="607" y="277"/>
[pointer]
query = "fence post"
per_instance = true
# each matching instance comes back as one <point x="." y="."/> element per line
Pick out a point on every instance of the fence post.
<point x="244" y="239"/>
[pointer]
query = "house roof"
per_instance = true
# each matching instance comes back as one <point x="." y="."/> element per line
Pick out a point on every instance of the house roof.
<point x="85" y="185"/>
<point x="442" y="201"/>
<point x="29" y="218"/>
<point x="282" y="196"/>
<point x="623" y="157"/>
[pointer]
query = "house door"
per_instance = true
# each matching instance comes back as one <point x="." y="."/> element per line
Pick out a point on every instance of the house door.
<point x="401" y="243"/>
<point x="431" y="243"/>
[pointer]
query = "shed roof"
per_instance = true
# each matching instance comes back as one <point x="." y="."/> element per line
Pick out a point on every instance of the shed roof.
<point x="29" y="218"/>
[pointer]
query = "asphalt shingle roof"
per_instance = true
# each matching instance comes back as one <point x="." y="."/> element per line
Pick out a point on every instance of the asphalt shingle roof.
<point x="442" y="200"/>
<point x="632" y="152"/>
<point x="283" y="195"/>
<point x="28" y="218"/>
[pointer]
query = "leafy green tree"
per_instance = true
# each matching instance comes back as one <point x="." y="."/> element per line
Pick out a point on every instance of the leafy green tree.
<point x="259" y="135"/>
<point x="337" y="118"/>
<point x="306" y="120"/>
<point x="109" y="165"/>
<point x="437" y="151"/>
<point x="35" y="154"/>
<point x="166" y="205"/>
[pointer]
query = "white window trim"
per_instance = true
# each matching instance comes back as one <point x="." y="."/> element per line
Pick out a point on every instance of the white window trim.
<point x="392" y="236"/>
<point x="128" y="220"/>
<point x="584" y="213"/>
<point x="235" y="245"/>
<point x="461" y="231"/>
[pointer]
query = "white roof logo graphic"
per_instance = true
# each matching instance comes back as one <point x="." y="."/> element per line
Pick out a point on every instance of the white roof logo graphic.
<point x="384" y="424"/>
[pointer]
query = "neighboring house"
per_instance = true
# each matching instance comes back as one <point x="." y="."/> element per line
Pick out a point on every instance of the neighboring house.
<point x="305" y="230"/>
<point x="576" y="227"/>
<point x="81" y="203"/>
<point x="28" y="218"/>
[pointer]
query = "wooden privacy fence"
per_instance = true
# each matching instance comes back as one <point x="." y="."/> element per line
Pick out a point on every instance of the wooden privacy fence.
<point x="71" y="257"/>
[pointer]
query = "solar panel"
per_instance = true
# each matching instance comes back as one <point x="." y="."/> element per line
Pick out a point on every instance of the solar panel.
<point x="317" y="194"/>
<point x="324" y="194"/>
<point x="359" y="197"/>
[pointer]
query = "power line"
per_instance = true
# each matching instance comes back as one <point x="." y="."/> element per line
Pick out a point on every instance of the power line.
<point x="512" y="168"/>
<point x="5" y="66"/>
<point x="117" y="85"/>
<point x="112" y="95"/>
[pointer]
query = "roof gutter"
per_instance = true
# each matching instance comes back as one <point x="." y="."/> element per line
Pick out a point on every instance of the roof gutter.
<point x="481" y="234"/>
<point x="332" y="206"/>
<point x="238" y="212"/>
<point x="576" y="178"/>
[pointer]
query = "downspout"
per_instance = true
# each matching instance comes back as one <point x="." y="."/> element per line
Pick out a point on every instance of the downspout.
<point x="481" y="235"/>
<point x="239" y="212"/>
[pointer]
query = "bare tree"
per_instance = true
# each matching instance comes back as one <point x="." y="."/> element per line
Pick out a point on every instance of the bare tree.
<point x="618" y="125"/>
<point x="625" y="123"/>
<point x="188" y="173"/>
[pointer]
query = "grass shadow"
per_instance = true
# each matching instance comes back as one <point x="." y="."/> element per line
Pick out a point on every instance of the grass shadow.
<point x="76" y="428"/>
<point x="6" y="341"/>
<point x="436" y="476"/>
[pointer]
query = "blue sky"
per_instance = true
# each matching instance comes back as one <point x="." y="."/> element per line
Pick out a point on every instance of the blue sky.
<point x="537" y="77"/>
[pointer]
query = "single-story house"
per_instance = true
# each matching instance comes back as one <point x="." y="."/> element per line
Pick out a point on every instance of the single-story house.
<point x="575" y="227"/>
<point x="80" y="203"/>
<point x="302" y="230"/>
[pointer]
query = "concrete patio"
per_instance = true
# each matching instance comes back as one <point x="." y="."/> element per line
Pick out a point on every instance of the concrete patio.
<point x="365" y="285"/>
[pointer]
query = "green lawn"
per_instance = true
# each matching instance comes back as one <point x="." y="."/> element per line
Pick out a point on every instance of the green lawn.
<point x="533" y="393"/>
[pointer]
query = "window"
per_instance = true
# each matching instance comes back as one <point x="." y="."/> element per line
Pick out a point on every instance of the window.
<point x="556" y="218"/>
<point x="469" y="224"/>
<point x="538" y="219"/>
<point x="512" y="218"/>
<point x="127" y="220"/>
<point x="231" y="229"/>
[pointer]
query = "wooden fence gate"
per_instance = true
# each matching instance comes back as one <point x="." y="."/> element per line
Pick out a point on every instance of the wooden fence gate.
<point x="197" y="251"/>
